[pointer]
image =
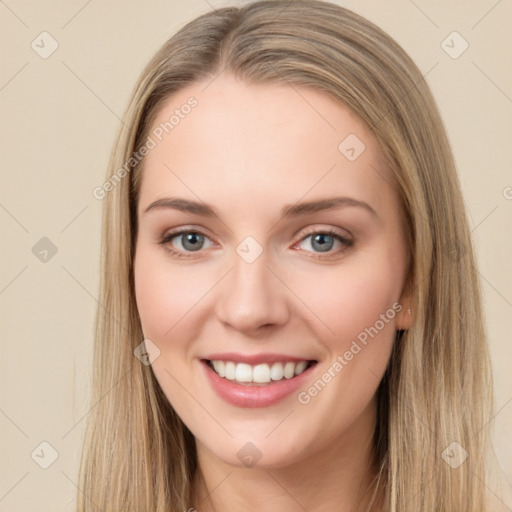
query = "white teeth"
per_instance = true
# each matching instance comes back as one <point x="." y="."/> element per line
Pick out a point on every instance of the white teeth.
<point x="230" y="370"/>
<point x="300" y="367"/>
<point x="261" y="373"/>
<point x="289" y="370"/>
<point x="219" y="368"/>
<point x="276" y="372"/>
<point x="243" y="372"/>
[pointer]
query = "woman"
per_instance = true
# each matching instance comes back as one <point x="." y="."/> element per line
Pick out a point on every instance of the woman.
<point x="290" y="309"/>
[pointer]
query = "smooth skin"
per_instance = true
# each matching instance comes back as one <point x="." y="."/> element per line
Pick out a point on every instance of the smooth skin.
<point x="248" y="150"/>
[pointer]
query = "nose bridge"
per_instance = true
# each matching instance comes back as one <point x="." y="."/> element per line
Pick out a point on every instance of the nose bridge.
<point x="251" y="296"/>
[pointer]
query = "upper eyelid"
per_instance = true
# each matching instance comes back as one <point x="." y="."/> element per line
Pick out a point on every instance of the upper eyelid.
<point x="307" y="232"/>
<point x="181" y="231"/>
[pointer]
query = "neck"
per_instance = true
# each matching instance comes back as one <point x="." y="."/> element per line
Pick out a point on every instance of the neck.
<point x="338" y="477"/>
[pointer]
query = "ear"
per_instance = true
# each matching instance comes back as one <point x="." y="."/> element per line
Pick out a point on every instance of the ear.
<point x="405" y="317"/>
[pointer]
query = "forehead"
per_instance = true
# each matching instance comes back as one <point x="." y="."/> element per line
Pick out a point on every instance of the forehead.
<point x="267" y="142"/>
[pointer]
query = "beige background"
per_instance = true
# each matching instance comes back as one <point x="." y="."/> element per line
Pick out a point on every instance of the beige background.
<point x="58" y="118"/>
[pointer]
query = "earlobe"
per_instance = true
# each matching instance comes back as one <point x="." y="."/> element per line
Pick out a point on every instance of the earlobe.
<point x="404" y="318"/>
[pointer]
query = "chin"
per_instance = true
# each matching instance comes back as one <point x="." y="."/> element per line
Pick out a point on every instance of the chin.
<point x="257" y="452"/>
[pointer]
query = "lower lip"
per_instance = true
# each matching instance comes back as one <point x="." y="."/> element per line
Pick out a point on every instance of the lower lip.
<point x="255" y="396"/>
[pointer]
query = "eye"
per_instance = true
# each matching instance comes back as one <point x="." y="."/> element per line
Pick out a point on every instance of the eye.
<point x="185" y="241"/>
<point x="323" y="241"/>
<point x="182" y="243"/>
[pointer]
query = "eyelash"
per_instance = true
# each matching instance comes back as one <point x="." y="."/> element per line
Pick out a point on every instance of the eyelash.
<point x="187" y="255"/>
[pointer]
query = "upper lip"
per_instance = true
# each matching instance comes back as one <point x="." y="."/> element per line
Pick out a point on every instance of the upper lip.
<point x="254" y="359"/>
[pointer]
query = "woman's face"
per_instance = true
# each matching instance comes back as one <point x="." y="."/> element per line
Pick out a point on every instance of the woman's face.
<point x="292" y="251"/>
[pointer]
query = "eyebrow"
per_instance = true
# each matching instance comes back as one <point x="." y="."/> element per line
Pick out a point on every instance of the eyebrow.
<point x="291" y="210"/>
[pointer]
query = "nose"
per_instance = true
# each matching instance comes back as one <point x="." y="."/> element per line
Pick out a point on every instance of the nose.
<point x="252" y="296"/>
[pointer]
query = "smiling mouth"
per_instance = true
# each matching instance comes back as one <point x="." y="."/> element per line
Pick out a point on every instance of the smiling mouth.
<point x="260" y="374"/>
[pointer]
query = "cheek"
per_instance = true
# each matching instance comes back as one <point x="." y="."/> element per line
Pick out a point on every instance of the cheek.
<point x="153" y="303"/>
<point x="165" y="297"/>
<point x="165" y="292"/>
<point x="346" y="299"/>
<point x="358" y="305"/>
<point x="349" y="298"/>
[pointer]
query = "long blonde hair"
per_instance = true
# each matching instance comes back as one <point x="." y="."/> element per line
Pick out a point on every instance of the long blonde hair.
<point x="138" y="455"/>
